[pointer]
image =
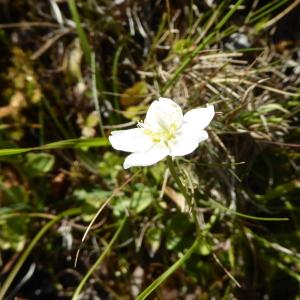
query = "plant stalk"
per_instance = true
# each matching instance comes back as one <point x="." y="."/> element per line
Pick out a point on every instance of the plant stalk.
<point x="184" y="193"/>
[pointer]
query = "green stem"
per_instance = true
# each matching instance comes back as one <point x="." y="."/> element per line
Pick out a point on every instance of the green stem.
<point x="98" y="261"/>
<point x="184" y="192"/>
<point x="28" y="250"/>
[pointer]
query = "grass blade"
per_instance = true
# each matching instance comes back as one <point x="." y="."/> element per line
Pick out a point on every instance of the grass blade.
<point x="87" y="50"/>
<point x="99" y="260"/>
<point x="95" y="92"/>
<point x="267" y="10"/>
<point x="23" y="257"/>
<point x="222" y="207"/>
<point x="168" y="272"/>
<point x="71" y="143"/>
<point x="115" y="87"/>
<point x="199" y="48"/>
<point x="82" y="36"/>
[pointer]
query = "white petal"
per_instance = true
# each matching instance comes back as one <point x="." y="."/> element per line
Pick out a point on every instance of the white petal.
<point x="187" y="141"/>
<point x="131" y="140"/>
<point x="147" y="158"/>
<point x="163" y="114"/>
<point x="199" y="118"/>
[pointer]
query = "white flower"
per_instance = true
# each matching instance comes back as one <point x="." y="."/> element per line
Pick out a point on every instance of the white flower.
<point x="165" y="131"/>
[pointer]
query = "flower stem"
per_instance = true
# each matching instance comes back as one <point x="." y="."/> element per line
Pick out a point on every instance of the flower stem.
<point x="184" y="192"/>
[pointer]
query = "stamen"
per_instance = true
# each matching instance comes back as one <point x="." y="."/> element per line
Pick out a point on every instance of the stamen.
<point x="165" y="133"/>
<point x="140" y="124"/>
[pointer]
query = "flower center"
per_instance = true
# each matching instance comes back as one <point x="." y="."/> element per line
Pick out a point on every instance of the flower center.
<point x="162" y="134"/>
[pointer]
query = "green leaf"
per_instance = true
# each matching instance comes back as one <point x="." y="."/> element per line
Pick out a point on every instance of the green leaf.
<point x="38" y="164"/>
<point x="13" y="233"/>
<point x="110" y="165"/>
<point x="16" y="196"/>
<point x="158" y="171"/>
<point x="134" y="94"/>
<point x="153" y="239"/>
<point x="120" y="205"/>
<point x="141" y="198"/>
<point x="177" y="228"/>
<point x="91" y="200"/>
<point x="94" y="197"/>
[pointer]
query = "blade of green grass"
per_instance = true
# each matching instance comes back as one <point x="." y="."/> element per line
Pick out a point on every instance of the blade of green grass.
<point x="224" y="208"/>
<point x="229" y="14"/>
<point x="99" y="260"/>
<point x="275" y="246"/>
<point x="157" y="282"/>
<point x="161" y="29"/>
<point x="267" y="10"/>
<point x="71" y="143"/>
<point x="115" y="87"/>
<point x="259" y="10"/>
<point x="82" y="36"/>
<point x="25" y="254"/>
<point x="87" y="50"/>
<point x="95" y="92"/>
<point x="285" y="268"/>
<point x="56" y="121"/>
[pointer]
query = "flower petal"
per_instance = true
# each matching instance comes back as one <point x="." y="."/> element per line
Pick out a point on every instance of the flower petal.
<point x="146" y="158"/>
<point x="163" y="114"/>
<point x="191" y="132"/>
<point x="187" y="141"/>
<point x="131" y="140"/>
<point x="199" y="118"/>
